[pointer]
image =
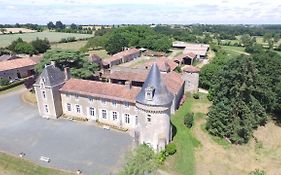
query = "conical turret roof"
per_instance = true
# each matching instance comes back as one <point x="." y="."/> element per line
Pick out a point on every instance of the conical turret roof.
<point x="161" y="95"/>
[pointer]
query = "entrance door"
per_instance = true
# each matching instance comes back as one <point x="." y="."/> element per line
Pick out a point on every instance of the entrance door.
<point x="18" y="75"/>
<point x="92" y="113"/>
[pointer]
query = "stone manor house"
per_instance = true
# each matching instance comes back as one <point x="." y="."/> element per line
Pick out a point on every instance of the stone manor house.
<point x="143" y="110"/>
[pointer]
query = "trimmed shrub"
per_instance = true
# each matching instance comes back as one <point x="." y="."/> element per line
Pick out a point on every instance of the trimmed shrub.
<point x="17" y="83"/>
<point x="196" y="96"/>
<point x="257" y="172"/>
<point x="4" y="82"/>
<point x="171" y="149"/>
<point x="188" y="120"/>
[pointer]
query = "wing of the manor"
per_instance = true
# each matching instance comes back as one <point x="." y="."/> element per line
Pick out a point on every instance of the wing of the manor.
<point x="144" y="111"/>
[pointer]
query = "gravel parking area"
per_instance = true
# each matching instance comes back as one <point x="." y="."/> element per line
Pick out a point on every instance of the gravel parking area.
<point x="69" y="145"/>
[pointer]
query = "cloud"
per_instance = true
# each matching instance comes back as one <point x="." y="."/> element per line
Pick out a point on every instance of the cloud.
<point x="139" y="12"/>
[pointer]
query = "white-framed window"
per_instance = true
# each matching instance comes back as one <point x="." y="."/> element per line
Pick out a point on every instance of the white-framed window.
<point x="104" y="114"/>
<point x="126" y="104"/>
<point x="148" y="118"/>
<point x="78" y="109"/>
<point x="67" y="95"/>
<point x="114" y="103"/>
<point x="114" y="116"/>
<point x="46" y="109"/>
<point x="127" y="118"/>
<point x="44" y="94"/>
<point x="68" y="106"/>
<point x="92" y="111"/>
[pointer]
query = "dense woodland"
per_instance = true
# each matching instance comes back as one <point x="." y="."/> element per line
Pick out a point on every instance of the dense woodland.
<point x="244" y="91"/>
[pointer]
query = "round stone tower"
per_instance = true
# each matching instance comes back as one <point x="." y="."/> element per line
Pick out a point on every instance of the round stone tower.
<point x="154" y="104"/>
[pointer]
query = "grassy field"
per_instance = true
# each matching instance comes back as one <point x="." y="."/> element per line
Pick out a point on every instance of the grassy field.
<point x="216" y="156"/>
<point x="101" y="53"/>
<point x="17" y="30"/>
<point x="183" y="162"/>
<point x="5" y="40"/>
<point x="69" y="46"/>
<point x="233" y="51"/>
<point x="10" y="165"/>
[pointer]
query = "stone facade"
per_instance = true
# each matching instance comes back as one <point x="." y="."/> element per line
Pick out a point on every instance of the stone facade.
<point x="144" y="111"/>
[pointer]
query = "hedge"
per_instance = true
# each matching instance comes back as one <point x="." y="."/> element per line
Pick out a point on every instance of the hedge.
<point x="14" y="84"/>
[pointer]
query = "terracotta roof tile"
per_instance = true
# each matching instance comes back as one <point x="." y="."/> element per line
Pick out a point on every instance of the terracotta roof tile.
<point x="120" y="55"/>
<point x="101" y="90"/>
<point x="164" y="64"/>
<point x="191" y="69"/>
<point x="172" y="79"/>
<point x="16" y="64"/>
<point x="182" y="56"/>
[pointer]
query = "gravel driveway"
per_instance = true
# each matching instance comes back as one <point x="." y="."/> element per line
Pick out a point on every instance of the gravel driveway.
<point x="70" y="145"/>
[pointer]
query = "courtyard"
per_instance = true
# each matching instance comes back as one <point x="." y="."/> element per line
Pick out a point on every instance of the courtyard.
<point x="69" y="145"/>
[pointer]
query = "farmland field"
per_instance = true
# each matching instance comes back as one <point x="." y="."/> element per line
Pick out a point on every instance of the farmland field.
<point x="69" y="46"/>
<point x="17" y="30"/>
<point x="5" y="40"/>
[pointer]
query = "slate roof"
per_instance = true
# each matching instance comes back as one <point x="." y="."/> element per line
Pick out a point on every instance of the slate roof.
<point x="52" y="76"/>
<point x="161" y="96"/>
<point x="101" y="90"/>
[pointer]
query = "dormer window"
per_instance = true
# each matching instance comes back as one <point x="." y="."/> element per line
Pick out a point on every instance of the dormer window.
<point x="149" y="92"/>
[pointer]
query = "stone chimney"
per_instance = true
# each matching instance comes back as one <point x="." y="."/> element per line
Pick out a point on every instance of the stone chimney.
<point x="67" y="73"/>
<point x="128" y="84"/>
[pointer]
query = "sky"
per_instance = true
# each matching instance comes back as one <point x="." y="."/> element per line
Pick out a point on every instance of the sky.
<point x="141" y="11"/>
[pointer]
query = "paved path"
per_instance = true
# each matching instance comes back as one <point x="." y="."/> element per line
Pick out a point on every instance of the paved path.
<point x="70" y="145"/>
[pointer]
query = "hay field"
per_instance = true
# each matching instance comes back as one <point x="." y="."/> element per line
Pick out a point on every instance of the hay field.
<point x="5" y="40"/>
<point x="17" y="30"/>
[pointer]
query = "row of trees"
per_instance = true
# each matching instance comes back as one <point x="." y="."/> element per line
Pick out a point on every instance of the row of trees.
<point x="37" y="27"/>
<point x="73" y="28"/>
<point x="244" y="91"/>
<point x="22" y="47"/>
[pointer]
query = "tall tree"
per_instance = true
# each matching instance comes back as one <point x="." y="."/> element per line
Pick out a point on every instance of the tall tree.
<point x="59" y="25"/>
<point x="41" y="45"/>
<point x="116" y="43"/>
<point x="79" y="66"/>
<point x="51" y="25"/>
<point x="236" y="111"/>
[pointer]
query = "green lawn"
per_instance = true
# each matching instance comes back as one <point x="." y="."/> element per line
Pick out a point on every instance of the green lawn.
<point x="184" y="160"/>
<point x="5" y="40"/>
<point x="233" y="51"/>
<point x="101" y="53"/>
<point x="69" y="46"/>
<point x="10" y="165"/>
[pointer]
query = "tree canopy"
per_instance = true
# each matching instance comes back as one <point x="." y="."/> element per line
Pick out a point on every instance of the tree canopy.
<point x="141" y="161"/>
<point x="244" y="91"/>
<point x="37" y="46"/>
<point x="79" y="66"/>
<point x="132" y="36"/>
